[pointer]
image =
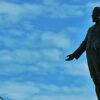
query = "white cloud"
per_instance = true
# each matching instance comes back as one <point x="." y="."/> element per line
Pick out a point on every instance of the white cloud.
<point x="9" y="8"/>
<point x="50" y="2"/>
<point x="75" y="30"/>
<point x="79" y="68"/>
<point x="29" y="90"/>
<point x="90" y="6"/>
<point x="63" y="97"/>
<point x="18" y="91"/>
<point x="15" y="12"/>
<point x="35" y="39"/>
<point x="16" y="32"/>
<point x="66" y="11"/>
<point x="29" y="55"/>
<point x="24" y="40"/>
<point x="57" y="40"/>
<point x="41" y="60"/>
<point x="13" y="69"/>
<point x="77" y="0"/>
<point x="5" y="56"/>
<point x="18" y="56"/>
<point x="52" y="54"/>
<point x="93" y="4"/>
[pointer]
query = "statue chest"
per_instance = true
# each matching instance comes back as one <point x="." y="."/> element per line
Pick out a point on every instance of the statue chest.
<point x="93" y="38"/>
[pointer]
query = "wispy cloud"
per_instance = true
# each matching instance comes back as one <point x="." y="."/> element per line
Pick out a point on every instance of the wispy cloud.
<point x="93" y="4"/>
<point x="79" y="68"/>
<point x="52" y="9"/>
<point x="57" y="40"/>
<point x="29" y="90"/>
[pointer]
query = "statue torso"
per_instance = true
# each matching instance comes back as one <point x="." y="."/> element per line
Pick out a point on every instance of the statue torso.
<point x="93" y="37"/>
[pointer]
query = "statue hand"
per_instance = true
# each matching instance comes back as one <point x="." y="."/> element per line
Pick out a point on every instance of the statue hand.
<point x="70" y="57"/>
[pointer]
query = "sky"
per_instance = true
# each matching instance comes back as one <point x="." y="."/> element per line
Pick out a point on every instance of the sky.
<point x="35" y="38"/>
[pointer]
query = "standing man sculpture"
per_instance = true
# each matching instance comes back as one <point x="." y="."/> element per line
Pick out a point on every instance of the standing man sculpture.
<point x="91" y="44"/>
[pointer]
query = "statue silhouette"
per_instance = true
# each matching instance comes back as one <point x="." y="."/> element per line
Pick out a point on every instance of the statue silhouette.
<point x="91" y="45"/>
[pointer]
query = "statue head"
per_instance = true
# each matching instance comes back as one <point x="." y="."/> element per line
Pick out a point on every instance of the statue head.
<point x="96" y="14"/>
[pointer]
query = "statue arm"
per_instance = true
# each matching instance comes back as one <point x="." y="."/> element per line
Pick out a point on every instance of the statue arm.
<point x="78" y="52"/>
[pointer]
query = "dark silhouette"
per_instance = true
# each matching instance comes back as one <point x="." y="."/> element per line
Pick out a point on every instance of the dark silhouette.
<point x="91" y="45"/>
<point x="1" y="98"/>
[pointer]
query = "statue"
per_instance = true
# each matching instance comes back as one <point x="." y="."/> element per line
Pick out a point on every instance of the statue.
<point x="91" y="45"/>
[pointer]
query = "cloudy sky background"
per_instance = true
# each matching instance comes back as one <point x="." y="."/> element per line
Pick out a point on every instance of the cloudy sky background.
<point x="35" y="37"/>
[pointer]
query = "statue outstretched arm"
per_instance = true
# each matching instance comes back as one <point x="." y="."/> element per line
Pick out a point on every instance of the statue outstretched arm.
<point x="78" y="52"/>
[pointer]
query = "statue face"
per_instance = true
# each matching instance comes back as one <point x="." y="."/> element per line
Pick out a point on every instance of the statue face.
<point x="96" y="14"/>
<point x="95" y="18"/>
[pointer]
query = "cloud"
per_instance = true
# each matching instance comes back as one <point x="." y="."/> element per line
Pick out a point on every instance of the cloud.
<point x="77" y="0"/>
<point x="64" y="10"/>
<point x="50" y="2"/>
<point x="90" y="6"/>
<point x="18" y="56"/>
<point x="93" y="4"/>
<point x="80" y="68"/>
<point x="16" y="12"/>
<point x="28" y="90"/>
<point x="16" y="38"/>
<point x="57" y="40"/>
<point x="6" y="8"/>
<point x="62" y="97"/>
<point x="18" y="91"/>
<point x="52" y="54"/>
<point x="74" y="29"/>
<point x="67" y="11"/>
<point x="26" y="60"/>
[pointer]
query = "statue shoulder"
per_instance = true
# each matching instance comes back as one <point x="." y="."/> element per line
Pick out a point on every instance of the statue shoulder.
<point x="91" y="28"/>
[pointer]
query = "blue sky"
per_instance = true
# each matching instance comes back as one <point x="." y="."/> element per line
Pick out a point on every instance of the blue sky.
<point x="35" y="37"/>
